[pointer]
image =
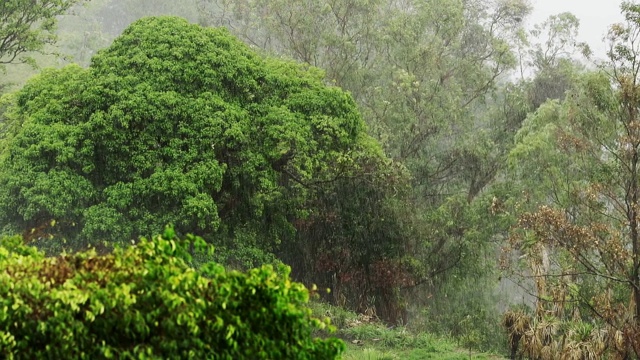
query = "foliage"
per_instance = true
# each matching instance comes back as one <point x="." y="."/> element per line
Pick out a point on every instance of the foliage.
<point x="290" y="176"/>
<point x="353" y="243"/>
<point x="422" y="74"/>
<point x="27" y="26"/>
<point x="578" y="225"/>
<point x="469" y="320"/>
<point x="88" y="26"/>
<point x="368" y="338"/>
<point x="146" y="302"/>
<point x="551" y="338"/>
<point x="559" y="33"/>
<point x="416" y="69"/>
<point x="175" y="123"/>
<point x="340" y="317"/>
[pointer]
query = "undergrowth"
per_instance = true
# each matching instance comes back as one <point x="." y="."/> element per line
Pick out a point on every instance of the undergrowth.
<point x="369" y="339"/>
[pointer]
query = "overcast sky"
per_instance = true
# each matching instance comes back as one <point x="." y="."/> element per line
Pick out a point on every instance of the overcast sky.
<point x="595" y="17"/>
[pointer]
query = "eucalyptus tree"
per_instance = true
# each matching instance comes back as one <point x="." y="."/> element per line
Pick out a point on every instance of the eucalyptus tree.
<point x="416" y="69"/>
<point x="422" y="74"/>
<point x="578" y="228"/>
<point x="413" y="67"/>
<point x="27" y="26"/>
<point x="553" y="59"/>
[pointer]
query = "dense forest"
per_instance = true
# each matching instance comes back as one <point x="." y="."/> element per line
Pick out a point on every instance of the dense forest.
<point x="438" y="165"/>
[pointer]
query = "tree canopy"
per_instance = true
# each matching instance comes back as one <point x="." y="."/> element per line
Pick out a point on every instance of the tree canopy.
<point x="175" y="123"/>
<point x="577" y="161"/>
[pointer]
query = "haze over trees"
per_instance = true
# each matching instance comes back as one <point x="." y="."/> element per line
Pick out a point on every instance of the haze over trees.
<point x="387" y="150"/>
<point x="27" y="26"/>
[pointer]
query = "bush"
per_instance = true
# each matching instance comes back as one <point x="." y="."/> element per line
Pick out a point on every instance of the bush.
<point x="147" y="302"/>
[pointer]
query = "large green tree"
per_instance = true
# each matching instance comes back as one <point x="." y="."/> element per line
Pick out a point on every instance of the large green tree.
<point x="175" y="123"/>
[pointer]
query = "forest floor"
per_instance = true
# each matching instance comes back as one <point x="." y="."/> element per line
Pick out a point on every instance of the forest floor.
<point x="440" y="351"/>
<point x="369" y="339"/>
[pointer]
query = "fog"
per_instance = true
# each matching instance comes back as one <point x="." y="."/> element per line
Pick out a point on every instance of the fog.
<point x="595" y="18"/>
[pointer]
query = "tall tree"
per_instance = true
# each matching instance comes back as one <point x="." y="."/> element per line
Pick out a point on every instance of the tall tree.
<point x="416" y="69"/>
<point x="422" y="73"/>
<point x="580" y="236"/>
<point x="552" y="60"/>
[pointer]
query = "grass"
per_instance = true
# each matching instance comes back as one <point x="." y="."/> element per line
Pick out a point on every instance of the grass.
<point x="375" y="342"/>
<point x="440" y="350"/>
<point x="369" y="339"/>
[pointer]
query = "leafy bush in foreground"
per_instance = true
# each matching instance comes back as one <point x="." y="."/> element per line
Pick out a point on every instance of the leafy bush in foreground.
<point x="146" y="302"/>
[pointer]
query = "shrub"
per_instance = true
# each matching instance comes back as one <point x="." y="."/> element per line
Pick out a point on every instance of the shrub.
<point x="147" y="302"/>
